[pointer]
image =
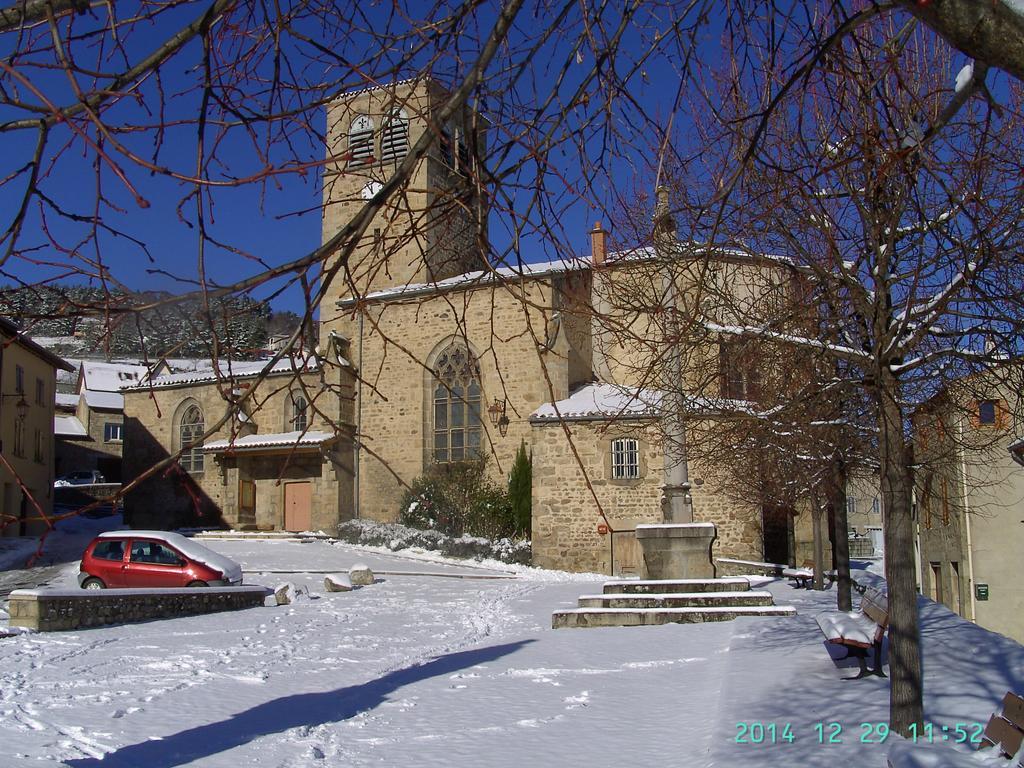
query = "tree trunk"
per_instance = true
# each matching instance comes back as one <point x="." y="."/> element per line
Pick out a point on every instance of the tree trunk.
<point x="906" y="692"/>
<point x="841" y="553"/>
<point x="818" y="512"/>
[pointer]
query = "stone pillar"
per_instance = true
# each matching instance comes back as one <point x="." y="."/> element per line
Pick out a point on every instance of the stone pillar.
<point x="677" y="551"/>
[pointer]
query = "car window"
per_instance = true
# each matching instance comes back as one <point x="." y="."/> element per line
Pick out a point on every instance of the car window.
<point x="154" y="552"/>
<point x="109" y="550"/>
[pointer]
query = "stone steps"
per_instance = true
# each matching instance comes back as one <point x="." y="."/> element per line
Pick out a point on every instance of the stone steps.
<point x="639" y="617"/>
<point x="675" y="586"/>
<point x="677" y="600"/>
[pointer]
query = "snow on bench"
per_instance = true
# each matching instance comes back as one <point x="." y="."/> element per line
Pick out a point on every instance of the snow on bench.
<point x="859" y="630"/>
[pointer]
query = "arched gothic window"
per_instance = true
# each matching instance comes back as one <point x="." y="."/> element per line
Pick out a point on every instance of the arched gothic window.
<point x="298" y="416"/>
<point x="191" y="426"/>
<point x="360" y="141"/>
<point x="456" y="416"/>
<point x="394" y="138"/>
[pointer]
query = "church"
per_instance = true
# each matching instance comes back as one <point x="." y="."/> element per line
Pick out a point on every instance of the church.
<point x="430" y="354"/>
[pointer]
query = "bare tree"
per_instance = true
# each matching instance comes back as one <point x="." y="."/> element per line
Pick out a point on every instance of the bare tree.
<point x="892" y="191"/>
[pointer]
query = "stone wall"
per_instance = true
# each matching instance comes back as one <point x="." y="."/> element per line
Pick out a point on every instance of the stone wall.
<point x="210" y="496"/>
<point x="565" y="515"/>
<point x="507" y="328"/>
<point x="72" y="609"/>
<point x="431" y="228"/>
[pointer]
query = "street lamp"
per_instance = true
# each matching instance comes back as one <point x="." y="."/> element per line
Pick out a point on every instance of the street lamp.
<point x="496" y="413"/>
<point x="21" y="406"/>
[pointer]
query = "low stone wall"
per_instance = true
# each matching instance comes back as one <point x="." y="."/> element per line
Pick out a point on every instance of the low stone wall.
<point x="54" y="610"/>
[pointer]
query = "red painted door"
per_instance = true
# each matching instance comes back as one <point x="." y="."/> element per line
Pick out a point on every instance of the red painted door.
<point x="298" y="506"/>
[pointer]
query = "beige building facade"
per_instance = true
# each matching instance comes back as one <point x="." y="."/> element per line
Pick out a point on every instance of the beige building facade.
<point x="27" y="384"/>
<point x="969" y="493"/>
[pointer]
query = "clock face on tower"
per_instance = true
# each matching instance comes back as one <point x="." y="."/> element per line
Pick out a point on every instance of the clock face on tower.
<point x="371" y="189"/>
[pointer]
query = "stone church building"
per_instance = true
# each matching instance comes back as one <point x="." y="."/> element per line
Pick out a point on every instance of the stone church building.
<point x="431" y="355"/>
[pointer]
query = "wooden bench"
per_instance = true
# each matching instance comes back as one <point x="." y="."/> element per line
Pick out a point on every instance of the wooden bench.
<point x="859" y="630"/>
<point x="1005" y="730"/>
<point x="804" y="575"/>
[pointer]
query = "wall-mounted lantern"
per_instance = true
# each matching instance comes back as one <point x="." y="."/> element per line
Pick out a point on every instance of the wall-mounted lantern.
<point x="496" y="413"/>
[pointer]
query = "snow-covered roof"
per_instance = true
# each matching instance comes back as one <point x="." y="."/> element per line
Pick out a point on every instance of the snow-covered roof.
<point x="602" y="401"/>
<point x="111" y="377"/>
<point x="66" y="400"/>
<point x="104" y="401"/>
<point x="599" y="402"/>
<point x="228" y="370"/>
<point x="299" y="440"/>
<point x="68" y="426"/>
<point x="477" y="278"/>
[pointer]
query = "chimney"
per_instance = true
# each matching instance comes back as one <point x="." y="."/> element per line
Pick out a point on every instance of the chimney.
<point x="598" y="244"/>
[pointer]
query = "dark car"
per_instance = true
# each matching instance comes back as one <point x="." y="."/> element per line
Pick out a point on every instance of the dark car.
<point x="124" y="559"/>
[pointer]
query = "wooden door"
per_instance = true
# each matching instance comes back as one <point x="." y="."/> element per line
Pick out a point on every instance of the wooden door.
<point x="246" y="503"/>
<point x="298" y="506"/>
<point x="627" y="557"/>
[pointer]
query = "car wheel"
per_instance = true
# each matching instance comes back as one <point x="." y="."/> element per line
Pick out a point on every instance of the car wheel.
<point x="93" y="583"/>
<point x="198" y="584"/>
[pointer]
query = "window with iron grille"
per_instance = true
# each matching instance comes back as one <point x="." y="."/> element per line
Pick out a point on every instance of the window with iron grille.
<point x="625" y="459"/>
<point x="456" y="401"/>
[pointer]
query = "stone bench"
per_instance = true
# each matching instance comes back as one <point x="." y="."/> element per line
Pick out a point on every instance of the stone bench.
<point x="54" y="610"/>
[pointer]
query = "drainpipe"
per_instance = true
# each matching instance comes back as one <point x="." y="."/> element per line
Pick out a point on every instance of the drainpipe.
<point x="359" y="419"/>
<point x="967" y="522"/>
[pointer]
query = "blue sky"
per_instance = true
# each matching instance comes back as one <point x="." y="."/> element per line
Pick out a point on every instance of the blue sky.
<point x="275" y="222"/>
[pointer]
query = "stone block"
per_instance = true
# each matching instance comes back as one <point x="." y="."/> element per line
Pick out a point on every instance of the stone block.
<point x="337" y="583"/>
<point x="360" y="575"/>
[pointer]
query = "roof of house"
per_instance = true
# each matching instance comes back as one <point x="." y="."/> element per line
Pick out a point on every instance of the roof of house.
<point x="601" y="402"/>
<point x="297" y="440"/>
<point x="103" y="401"/>
<point x="68" y="426"/>
<point x="228" y="370"/>
<point x="11" y="330"/>
<point x="111" y="377"/>
<point x="478" y="278"/>
<point x="499" y="274"/>
<point x="67" y="400"/>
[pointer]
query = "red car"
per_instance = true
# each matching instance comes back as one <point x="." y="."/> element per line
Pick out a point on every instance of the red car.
<point x="125" y="559"/>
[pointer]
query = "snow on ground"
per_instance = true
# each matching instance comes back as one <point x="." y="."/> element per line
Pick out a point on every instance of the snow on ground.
<point x="428" y="671"/>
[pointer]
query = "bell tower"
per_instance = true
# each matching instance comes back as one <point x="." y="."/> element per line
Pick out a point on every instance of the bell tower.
<point x="432" y="227"/>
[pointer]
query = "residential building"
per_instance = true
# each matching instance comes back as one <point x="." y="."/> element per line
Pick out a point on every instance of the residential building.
<point x="27" y="382"/>
<point x="970" y="504"/>
<point x="89" y="426"/>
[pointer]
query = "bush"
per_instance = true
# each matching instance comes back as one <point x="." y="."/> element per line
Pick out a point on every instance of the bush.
<point x="398" y="537"/>
<point x="458" y="499"/>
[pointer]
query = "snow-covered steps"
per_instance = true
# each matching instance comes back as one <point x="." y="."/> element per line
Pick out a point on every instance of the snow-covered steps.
<point x="681" y="601"/>
<point x="676" y="600"/>
<point x="675" y="586"/>
<point x="641" y="617"/>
